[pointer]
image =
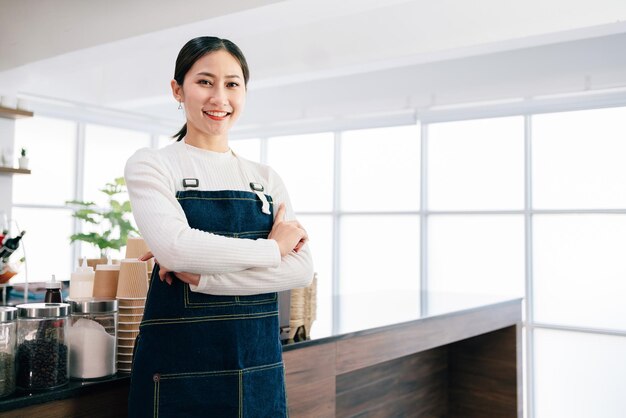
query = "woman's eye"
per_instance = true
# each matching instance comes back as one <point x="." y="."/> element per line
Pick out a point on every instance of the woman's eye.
<point x="232" y="84"/>
<point x="205" y="82"/>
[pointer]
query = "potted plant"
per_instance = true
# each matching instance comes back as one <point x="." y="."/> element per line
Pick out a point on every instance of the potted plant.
<point x="113" y="222"/>
<point x="23" y="160"/>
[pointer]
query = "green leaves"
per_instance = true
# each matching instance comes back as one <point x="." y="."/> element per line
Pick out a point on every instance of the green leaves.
<point x="114" y="221"/>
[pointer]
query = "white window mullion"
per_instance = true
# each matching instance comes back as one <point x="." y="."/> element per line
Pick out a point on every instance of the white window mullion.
<point x="528" y="232"/>
<point x="424" y="220"/>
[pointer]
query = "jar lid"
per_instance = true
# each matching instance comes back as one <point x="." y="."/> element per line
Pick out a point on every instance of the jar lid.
<point x="7" y="313"/>
<point x="42" y="310"/>
<point x="92" y="305"/>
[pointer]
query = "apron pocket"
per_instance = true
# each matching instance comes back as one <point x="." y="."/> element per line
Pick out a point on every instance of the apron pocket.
<point x="198" y="394"/>
<point x="258" y="299"/>
<point x="264" y="392"/>
<point x="203" y="300"/>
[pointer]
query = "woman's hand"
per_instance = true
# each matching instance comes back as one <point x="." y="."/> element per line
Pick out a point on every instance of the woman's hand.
<point x="168" y="275"/>
<point x="289" y="235"/>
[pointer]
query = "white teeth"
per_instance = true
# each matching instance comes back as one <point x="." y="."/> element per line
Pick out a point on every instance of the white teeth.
<point x="217" y="114"/>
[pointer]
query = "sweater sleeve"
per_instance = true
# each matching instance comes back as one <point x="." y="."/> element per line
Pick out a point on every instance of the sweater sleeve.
<point x="295" y="270"/>
<point x="162" y="223"/>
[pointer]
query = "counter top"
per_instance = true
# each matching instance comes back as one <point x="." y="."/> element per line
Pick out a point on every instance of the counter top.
<point x="363" y="313"/>
<point x="357" y="314"/>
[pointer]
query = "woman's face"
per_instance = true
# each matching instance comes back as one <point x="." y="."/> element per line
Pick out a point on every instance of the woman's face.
<point x="213" y="94"/>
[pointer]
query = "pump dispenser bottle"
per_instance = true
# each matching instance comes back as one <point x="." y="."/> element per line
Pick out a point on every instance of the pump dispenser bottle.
<point x="81" y="281"/>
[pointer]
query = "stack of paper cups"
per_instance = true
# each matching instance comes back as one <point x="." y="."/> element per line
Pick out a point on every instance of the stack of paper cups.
<point x="136" y="247"/>
<point x="132" y="288"/>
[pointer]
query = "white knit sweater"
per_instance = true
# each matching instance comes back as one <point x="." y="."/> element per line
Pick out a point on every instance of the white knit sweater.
<point x="228" y="266"/>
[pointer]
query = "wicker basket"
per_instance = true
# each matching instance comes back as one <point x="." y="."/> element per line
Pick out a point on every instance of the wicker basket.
<point x="303" y="311"/>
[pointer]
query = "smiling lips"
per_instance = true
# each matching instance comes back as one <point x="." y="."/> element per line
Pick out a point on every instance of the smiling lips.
<point x="216" y="115"/>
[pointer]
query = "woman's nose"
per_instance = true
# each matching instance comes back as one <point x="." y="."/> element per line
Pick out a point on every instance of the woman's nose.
<point x="218" y="97"/>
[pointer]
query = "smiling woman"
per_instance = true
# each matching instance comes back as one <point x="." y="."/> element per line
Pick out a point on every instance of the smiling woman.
<point x="224" y="233"/>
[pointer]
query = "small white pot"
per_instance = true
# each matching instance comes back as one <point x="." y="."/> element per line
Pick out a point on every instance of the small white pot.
<point x="23" y="163"/>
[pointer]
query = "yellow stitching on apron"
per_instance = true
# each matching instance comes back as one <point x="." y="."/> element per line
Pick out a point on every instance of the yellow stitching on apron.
<point x="188" y="303"/>
<point x="240" y="394"/>
<point x="198" y="374"/>
<point x="221" y="372"/>
<point x="202" y="304"/>
<point x="206" y="319"/>
<point x="259" y="301"/>
<point x="238" y="233"/>
<point x="217" y="198"/>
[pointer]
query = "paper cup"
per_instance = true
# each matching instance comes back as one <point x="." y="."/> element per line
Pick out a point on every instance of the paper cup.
<point x="125" y="343"/>
<point x="127" y="335"/>
<point x="128" y="326"/>
<point x="133" y="279"/>
<point x="136" y="247"/>
<point x="105" y="280"/>
<point x="121" y="350"/>
<point x="131" y="302"/>
<point x="136" y="310"/>
<point x="129" y="318"/>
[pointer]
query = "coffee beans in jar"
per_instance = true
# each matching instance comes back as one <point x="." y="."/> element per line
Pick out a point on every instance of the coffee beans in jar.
<point x="7" y="350"/>
<point x="42" y="356"/>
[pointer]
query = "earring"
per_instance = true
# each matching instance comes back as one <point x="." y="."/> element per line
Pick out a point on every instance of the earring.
<point x="180" y="105"/>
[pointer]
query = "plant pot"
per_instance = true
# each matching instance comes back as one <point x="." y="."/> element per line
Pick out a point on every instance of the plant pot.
<point x="23" y="163"/>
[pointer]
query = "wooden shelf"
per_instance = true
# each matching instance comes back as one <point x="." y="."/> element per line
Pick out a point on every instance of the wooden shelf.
<point x="10" y="113"/>
<point x="10" y="170"/>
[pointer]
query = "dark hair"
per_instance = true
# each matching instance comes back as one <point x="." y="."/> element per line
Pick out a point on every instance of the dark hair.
<point x="196" y="49"/>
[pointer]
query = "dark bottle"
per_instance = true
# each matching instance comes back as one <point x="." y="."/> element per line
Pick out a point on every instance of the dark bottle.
<point x="53" y="291"/>
<point x="9" y="246"/>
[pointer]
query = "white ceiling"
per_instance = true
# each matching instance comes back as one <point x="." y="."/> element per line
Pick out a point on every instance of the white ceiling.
<point x="314" y="59"/>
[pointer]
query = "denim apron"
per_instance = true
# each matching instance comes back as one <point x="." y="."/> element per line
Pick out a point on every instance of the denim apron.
<point x="200" y="355"/>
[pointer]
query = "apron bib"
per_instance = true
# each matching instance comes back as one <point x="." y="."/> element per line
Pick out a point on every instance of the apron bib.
<point x="200" y="355"/>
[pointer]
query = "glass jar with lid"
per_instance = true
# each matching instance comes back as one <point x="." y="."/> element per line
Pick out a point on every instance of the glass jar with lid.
<point x="93" y="334"/>
<point x="7" y="350"/>
<point x="43" y="354"/>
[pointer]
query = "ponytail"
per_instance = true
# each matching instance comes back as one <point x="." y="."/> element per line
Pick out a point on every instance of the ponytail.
<point x="180" y="134"/>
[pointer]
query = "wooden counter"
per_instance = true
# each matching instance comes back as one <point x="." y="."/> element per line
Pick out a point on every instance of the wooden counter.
<point x="454" y="362"/>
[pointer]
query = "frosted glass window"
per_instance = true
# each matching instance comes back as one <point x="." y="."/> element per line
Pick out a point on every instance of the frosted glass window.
<point x="320" y="230"/>
<point x="46" y="243"/>
<point x="305" y="163"/>
<point x="248" y="148"/>
<point x="579" y="270"/>
<point x="106" y="152"/>
<point x="578" y="159"/>
<point x="476" y="254"/>
<point x="379" y="253"/>
<point x="476" y="165"/>
<point x="51" y="147"/>
<point x="380" y="169"/>
<point x="579" y="375"/>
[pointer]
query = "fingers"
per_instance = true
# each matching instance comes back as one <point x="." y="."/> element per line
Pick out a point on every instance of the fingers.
<point x="147" y="256"/>
<point x="280" y="214"/>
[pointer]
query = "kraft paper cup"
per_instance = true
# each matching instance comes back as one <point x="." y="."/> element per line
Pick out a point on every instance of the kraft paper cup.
<point x="131" y="302"/>
<point x="125" y="343"/>
<point x="136" y="247"/>
<point x="132" y="310"/>
<point x="105" y="280"/>
<point x="133" y="280"/>
<point x="128" y="334"/>
<point x="128" y="326"/>
<point x="129" y="317"/>
<point x="125" y="357"/>
<point x="121" y="350"/>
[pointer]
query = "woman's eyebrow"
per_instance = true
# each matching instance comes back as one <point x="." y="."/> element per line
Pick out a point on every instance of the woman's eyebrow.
<point x="207" y="74"/>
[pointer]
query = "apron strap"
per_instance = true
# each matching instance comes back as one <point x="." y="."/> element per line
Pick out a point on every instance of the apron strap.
<point x="189" y="179"/>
